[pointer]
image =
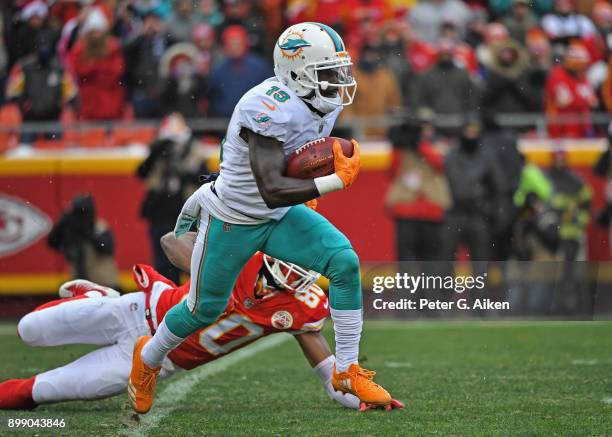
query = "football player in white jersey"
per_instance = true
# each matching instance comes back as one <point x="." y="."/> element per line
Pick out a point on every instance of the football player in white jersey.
<point x="252" y="206"/>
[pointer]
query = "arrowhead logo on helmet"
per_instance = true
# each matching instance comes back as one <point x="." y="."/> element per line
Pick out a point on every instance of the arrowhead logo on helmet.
<point x="293" y="47"/>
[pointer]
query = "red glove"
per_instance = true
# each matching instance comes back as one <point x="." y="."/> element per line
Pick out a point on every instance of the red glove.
<point x="394" y="405"/>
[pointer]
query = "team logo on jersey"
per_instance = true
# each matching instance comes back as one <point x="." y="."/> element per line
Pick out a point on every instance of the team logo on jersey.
<point x="21" y="225"/>
<point x="282" y="320"/>
<point x="293" y="45"/>
<point x="248" y="303"/>
<point x="262" y="119"/>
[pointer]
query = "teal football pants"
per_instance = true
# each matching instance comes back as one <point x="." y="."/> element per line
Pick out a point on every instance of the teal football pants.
<point x="302" y="237"/>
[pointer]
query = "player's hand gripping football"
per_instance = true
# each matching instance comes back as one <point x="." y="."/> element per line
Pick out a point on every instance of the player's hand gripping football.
<point x="346" y="168"/>
<point x="394" y="405"/>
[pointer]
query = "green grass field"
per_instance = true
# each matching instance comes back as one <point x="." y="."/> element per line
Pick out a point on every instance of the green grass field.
<point x="463" y="379"/>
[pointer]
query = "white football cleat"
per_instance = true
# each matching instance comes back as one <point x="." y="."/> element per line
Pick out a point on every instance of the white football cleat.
<point x="78" y="287"/>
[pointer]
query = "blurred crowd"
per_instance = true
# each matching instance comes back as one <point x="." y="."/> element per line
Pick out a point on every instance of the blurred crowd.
<point x="125" y="59"/>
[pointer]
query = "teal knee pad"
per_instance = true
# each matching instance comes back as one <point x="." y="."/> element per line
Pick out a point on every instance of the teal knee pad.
<point x="344" y="275"/>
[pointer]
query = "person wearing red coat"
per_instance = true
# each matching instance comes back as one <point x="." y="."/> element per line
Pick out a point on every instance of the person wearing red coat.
<point x="98" y="65"/>
<point x="569" y="96"/>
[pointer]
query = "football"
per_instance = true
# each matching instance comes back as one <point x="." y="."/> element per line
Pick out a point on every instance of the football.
<point x="316" y="158"/>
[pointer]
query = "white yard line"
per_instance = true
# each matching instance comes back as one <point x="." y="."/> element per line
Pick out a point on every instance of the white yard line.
<point x="181" y="385"/>
<point x="8" y="330"/>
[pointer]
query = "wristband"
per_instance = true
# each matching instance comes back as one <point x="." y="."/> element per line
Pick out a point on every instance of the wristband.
<point x="327" y="184"/>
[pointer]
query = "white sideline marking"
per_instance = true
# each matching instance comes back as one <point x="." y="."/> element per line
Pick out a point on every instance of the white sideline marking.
<point x="397" y="364"/>
<point x="175" y="392"/>
<point x="581" y="362"/>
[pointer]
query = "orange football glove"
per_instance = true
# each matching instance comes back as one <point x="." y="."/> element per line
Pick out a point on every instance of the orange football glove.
<point x="347" y="169"/>
<point x="312" y="204"/>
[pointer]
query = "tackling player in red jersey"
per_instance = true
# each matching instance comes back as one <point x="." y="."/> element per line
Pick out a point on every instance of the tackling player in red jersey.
<point x="91" y="314"/>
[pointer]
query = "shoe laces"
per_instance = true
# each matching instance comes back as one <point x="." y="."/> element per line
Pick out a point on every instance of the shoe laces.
<point x="148" y="380"/>
<point x="368" y="374"/>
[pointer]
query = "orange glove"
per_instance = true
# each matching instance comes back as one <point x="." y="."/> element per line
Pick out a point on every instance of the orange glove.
<point x="312" y="204"/>
<point x="347" y="169"/>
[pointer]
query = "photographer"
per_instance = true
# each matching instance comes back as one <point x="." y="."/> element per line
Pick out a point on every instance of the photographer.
<point x="171" y="174"/>
<point x="86" y="242"/>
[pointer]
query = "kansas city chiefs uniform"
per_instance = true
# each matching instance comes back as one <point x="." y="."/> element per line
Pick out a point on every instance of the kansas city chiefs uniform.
<point x="115" y="323"/>
<point x="246" y="317"/>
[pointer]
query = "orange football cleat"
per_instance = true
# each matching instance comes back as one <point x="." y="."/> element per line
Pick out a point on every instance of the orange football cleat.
<point x="360" y="382"/>
<point x="141" y="385"/>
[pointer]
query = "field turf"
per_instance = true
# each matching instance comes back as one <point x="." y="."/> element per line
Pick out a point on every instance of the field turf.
<point x="462" y="379"/>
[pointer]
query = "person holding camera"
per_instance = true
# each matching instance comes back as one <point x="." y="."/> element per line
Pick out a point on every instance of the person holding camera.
<point x="171" y="173"/>
<point x="86" y="243"/>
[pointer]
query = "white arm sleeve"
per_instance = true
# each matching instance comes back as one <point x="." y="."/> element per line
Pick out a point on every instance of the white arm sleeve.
<point x="324" y="370"/>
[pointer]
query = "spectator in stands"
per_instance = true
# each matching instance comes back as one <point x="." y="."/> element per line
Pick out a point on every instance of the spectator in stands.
<point x="474" y="183"/>
<point x="602" y="18"/>
<point x="171" y="174"/>
<point x="464" y="55"/>
<point x="41" y="86"/>
<point x="3" y="59"/>
<point x="395" y="38"/>
<point x="506" y="89"/>
<point x="569" y="97"/>
<point x="379" y="93"/>
<point x="520" y="20"/>
<point x="236" y="74"/>
<point x="538" y="50"/>
<point x="242" y="13"/>
<point x="493" y="35"/>
<point x="419" y="195"/>
<point x="204" y="39"/>
<point x="31" y="27"/>
<point x="501" y="145"/>
<point x="184" y="88"/>
<point x="427" y="17"/>
<point x="98" y="64"/>
<point x="564" y="23"/>
<point x="86" y="242"/>
<point x="142" y="56"/>
<point x="446" y="88"/>
<point x="210" y="13"/>
<point x="182" y="21"/>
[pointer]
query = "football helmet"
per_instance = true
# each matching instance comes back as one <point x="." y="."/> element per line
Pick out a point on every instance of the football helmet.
<point x="311" y="57"/>
<point x="289" y="276"/>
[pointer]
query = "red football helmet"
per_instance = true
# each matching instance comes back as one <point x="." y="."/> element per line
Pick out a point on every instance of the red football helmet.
<point x="289" y="276"/>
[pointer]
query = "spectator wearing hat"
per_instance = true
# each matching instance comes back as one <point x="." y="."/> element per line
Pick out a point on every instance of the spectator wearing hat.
<point x="97" y="62"/>
<point x="142" y="56"/>
<point x="520" y="20"/>
<point x="506" y="89"/>
<point x="539" y="62"/>
<point x="569" y="96"/>
<point x="236" y="74"/>
<point x="41" y="87"/>
<point x="379" y="93"/>
<point x="204" y="39"/>
<point x="31" y="27"/>
<point x="184" y="88"/>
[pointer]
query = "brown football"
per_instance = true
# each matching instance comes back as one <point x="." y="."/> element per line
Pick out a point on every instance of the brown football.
<point x="316" y="158"/>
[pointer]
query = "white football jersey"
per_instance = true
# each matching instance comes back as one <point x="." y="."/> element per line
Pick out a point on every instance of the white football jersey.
<point x="272" y="110"/>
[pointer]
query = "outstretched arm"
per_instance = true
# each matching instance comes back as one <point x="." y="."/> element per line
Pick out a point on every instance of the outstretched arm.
<point x="317" y="352"/>
<point x="178" y="250"/>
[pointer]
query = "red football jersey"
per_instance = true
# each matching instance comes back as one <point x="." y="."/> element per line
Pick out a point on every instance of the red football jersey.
<point x="246" y="318"/>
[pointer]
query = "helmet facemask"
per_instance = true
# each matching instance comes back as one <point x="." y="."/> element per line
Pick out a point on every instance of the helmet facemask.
<point x="332" y="75"/>
<point x="290" y="277"/>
